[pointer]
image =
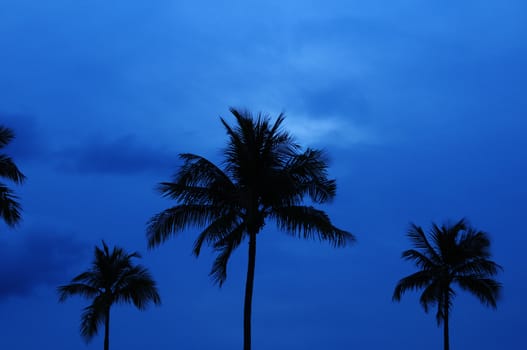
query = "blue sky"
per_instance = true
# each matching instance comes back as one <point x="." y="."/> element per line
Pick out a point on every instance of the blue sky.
<point x="420" y="106"/>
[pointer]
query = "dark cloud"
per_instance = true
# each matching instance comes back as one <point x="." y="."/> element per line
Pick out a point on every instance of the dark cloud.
<point x="122" y="156"/>
<point x="34" y="259"/>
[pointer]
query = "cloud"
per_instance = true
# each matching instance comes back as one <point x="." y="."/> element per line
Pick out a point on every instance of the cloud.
<point x="330" y="131"/>
<point x="34" y="259"/>
<point x="121" y="156"/>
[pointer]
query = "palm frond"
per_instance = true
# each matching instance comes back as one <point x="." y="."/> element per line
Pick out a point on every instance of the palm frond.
<point x="198" y="171"/>
<point x="6" y="136"/>
<point x="176" y="219"/>
<point x="109" y="264"/>
<point x="137" y="286"/>
<point x="187" y="194"/>
<point x="420" y="241"/>
<point x="486" y="289"/>
<point x="442" y="296"/>
<point x="236" y="150"/>
<point x="279" y="140"/>
<point x="421" y="260"/>
<point x="217" y="230"/>
<point x="309" y="223"/>
<point x="81" y="289"/>
<point x="308" y="174"/>
<point x="92" y="317"/>
<point x="430" y="295"/>
<point x="445" y="239"/>
<point x="477" y="266"/>
<point x="89" y="277"/>
<point x="415" y="281"/>
<point x="225" y="247"/>
<point x="9" y="207"/>
<point x="9" y="170"/>
<point x="255" y="148"/>
<point x="474" y="244"/>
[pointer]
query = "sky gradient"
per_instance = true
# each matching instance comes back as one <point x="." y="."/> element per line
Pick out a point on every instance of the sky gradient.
<point x="421" y="108"/>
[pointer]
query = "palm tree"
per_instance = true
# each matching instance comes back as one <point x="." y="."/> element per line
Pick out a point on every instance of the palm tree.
<point x="112" y="279"/>
<point x="451" y="255"/>
<point x="9" y="206"/>
<point x="265" y="175"/>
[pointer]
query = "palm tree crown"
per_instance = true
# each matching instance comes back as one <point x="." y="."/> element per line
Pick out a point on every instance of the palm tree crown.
<point x="112" y="279"/>
<point x="451" y="255"/>
<point x="265" y="174"/>
<point x="9" y="206"/>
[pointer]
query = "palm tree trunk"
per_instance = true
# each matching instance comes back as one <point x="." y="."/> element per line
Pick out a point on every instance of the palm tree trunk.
<point x="107" y="330"/>
<point x="446" y="340"/>
<point x="249" y="284"/>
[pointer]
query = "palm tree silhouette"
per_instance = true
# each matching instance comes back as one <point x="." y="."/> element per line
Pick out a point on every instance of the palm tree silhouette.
<point x="265" y="175"/>
<point x="452" y="254"/>
<point x="112" y="279"/>
<point x="9" y="206"/>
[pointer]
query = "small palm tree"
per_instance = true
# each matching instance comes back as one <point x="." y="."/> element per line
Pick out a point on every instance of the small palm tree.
<point x="265" y="175"/>
<point x="9" y="206"/>
<point x="112" y="279"/>
<point x="451" y="255"/>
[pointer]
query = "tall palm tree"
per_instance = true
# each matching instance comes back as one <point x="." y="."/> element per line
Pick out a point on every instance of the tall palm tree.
<point x="9" y="206"/>
<point x="265" y="175"/>
<point x="451" y="255"/>
<point x="112" y="279"/>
